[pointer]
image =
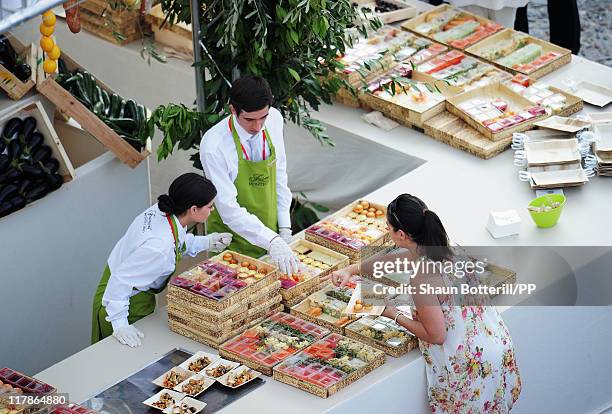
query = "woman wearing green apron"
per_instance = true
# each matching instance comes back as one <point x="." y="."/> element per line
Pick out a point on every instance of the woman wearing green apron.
<point x="143" y="261"/>
<point x="244" y="157"/>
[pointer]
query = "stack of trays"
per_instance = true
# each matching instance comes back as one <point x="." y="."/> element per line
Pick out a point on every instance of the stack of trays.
<point x="316" y="262"/>
<point x="358" y="231"/>
<point x="603" y="147"/>
<point x="221" y="297"/>
<point x="272" y="341"/>
<point x="554" y="163"/>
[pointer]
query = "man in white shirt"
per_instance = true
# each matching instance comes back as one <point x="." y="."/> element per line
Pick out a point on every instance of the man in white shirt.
<point x="244" y="157"/>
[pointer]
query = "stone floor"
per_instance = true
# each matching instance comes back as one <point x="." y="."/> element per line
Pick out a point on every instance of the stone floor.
<point x="596" y="22"/>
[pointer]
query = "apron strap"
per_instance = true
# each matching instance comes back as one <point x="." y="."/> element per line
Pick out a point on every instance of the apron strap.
<point x="174" y="228"/>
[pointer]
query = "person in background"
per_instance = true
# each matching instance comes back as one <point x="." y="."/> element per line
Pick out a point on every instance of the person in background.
<point x="501" y="11"/>
<point x="564" y="21"/>
<point x="468" y="352"/>
<point x="142" y="262"/>
<point x="244" y="157"/>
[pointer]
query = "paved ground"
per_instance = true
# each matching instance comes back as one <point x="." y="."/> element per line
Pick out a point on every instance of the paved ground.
<point x="596" y="22"/>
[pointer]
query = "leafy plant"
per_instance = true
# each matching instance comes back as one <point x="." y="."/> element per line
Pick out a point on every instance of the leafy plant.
<point x="294" y="44"/>
<point x="304" y="213"/>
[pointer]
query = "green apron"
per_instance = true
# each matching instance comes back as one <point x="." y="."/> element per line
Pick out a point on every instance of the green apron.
<point x="256" y="187"/>
<point x="141" y="304"/>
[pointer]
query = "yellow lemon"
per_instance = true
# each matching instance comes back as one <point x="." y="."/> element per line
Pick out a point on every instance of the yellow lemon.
<point x="46" y="43"/>
<point x="46" y="30"/>
<point x="48" y="18"/>
<point x="49" y="66"/>
<point x="54" y="53"/>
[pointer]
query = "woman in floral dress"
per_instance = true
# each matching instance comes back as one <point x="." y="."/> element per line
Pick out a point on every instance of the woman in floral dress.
<point x="468" y="352"/>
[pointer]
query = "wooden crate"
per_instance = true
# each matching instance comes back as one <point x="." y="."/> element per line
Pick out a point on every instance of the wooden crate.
<point x="564" y="59"/>
<point x="308" y="285"/>
<point x="491" y="91"/>
<point x="69" y="106"/>
<point x="406" y="11"/>
<point x="354" y="256"/>
<point x="177" y="36"/>
<point x="270" y="278"/>
<point x="45" y="127"/>
<point x="412" y="24"/>
<point x="99" y="18"/>
<point x="181" y="327"/>
<point x="14" y="87"/>
<point x="394" y="351"/>
<point x="453" y="131"/>
<point x="325" y="392"/>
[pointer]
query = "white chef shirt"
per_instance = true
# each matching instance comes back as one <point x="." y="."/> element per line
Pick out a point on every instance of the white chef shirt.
<point x="143" y="259"/>
<point x="489" y="4"/>
<point x="220" y="161"/>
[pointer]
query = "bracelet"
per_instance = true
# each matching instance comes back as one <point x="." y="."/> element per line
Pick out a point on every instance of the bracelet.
<point x="396" y="315"/>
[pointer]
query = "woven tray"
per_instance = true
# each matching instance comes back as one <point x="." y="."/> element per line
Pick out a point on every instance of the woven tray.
<point x="394" y="351"/>
<point x="329" y="391"/>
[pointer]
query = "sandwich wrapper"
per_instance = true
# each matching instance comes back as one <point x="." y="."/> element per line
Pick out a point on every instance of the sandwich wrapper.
<point x="504" y="223"/>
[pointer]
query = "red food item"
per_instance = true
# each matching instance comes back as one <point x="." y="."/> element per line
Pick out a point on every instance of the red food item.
<point x="521" y="79"/>
<point x="73" y="19"/>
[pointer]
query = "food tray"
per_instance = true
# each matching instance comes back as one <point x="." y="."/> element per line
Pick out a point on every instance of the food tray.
<point x="556" y="176"/>
<point x="403" y="11"/>
<point x="177" y="372"/>
<point x="603" y="135"/>
<point x="271" y="342"/>
<point x="557" y="100"/>
<point x="486" y="49"/>
<point x="11" y="84"/>
<point x="206" y="383"/>
<point x="26" y="385"/>
<point x="237" y="372"/>
<point x="186" y="365"/>
<point x="594" y="94"/>
<point x="600" y="117"/>
<point x="321" y="370"/>
<point x="339" y="240"/>
<point x="69" y="106"/>
<point x="360" y="306"/>
<point x="332" y="302"/>
<point x="454" y="131"/>
<point x="183" y="328"/>
<point x="308" y="253"/>
<point x="556" y="151"/>
<point x="72" y="409"/>
<point x="176" y="396"/>
<point x="563" y="124"/>
<point x="186" y="405"/>
<point x="484" y="28"/>
<point x="221" y="283"/>
<point x="413" y="101"/>
<point x="384" y="334"/>
<point x="229" y="365"/>
<point x="522" y="107"/>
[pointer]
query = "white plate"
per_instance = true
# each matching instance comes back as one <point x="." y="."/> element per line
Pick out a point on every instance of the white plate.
<point x="554" y="151"/>
<point x="561" y="123"/>
<point x="198" y="405"/>
<point x="159" y="381"/>
<point x="237" y="371"/>
<point x="593" y="94"/>
<point x="603" y="133"/>
<point x="178" y="396"/>
<point x="207" y="383"/>
<point x="218" y="362"/>
<point x="196" y="356"/>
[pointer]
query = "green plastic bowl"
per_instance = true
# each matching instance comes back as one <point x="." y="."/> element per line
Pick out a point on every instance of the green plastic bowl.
<point x="547" y="218"/>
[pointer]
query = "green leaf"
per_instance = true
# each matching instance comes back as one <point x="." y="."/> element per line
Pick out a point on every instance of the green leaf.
<point x="294" y="74"/>
<point x="294" y="36"/>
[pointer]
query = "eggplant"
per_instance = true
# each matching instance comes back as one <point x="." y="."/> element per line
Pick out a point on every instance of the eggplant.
<point x="52" y="166"/>
<point x="41" y="154"/>
<point x="13" y="174"/>
<point x="25" y="186"/>
<point x="6" y="209"/>
<point x="18" y="203"/>
<point x="7" y="191"/>
<point x="4" y="163"/>
<point x="35" y="140"/>
<point x="54" y="181"/>
<point x="32" y="171"/>
<point x="23" y="71"/>
<point x="28" y="128"/>
<point x="2" y="145"/>
<point x="12" y="129"/>
<point x="14" y="149"/>
<point x="37" y="192"/>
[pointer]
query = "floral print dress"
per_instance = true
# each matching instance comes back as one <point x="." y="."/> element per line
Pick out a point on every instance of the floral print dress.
<point x="474" y="371"/>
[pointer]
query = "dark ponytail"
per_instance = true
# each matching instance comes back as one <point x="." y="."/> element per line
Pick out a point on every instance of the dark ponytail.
<point x="410" y="214"/>
<point x="187" y="190"/>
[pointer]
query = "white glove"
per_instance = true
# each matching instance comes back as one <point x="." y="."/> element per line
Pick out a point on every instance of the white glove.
<point x="285" y="233"/>
<point x="128" y="335"/>
<point x="219" y="241"/>
<point x="282" y="255"/>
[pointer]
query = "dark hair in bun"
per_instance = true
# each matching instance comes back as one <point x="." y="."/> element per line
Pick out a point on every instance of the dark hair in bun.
<point x="189" y="189"/>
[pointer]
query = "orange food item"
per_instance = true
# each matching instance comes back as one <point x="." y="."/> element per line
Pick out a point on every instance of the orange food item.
<point x="358" y="301"/>
<point x="371" y="214"/>
<point x="245" y="264"/>
<point x="227" y="257"/>
<point x="262" y="271"/>
<point x="233" y="261"/>
<point x="342" y="321"/>
<point x="315" y="312"/>
<point x="252" y="267"/>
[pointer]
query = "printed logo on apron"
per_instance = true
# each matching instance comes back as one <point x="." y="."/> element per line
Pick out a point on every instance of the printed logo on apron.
<point x="259" y="180"/>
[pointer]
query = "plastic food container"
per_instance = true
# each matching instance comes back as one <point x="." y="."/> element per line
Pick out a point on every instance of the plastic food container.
<point x="548" y="218"/>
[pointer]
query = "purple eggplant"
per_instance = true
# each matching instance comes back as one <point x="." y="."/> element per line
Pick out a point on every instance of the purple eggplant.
<point x="12" y="129"/>
<point x="6" y="208"/>
<point x="37" y="192"/>
<point x="18" y="202"/>
<point x="41" y="154"/>
<point x="7" y="192"/>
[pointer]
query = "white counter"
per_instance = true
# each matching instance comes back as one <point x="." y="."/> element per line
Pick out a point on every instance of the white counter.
<point x="462" y="189"/>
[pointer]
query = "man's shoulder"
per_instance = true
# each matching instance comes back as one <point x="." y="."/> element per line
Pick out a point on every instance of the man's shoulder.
<point x="214" y="136"/>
